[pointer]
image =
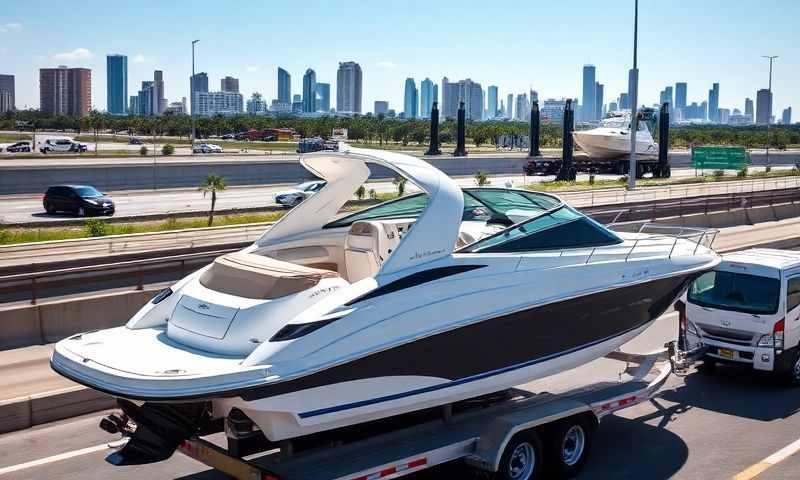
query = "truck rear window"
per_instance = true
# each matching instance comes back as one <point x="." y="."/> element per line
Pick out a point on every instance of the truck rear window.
<point x="736" y="291"/>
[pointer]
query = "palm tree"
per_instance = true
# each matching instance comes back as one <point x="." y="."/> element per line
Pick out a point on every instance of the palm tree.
<point x="213" y="183"/>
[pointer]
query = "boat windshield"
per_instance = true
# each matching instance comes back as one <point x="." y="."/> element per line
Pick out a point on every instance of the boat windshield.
<point x="558" y="228"/>
<point x="738" y="292"/>
<point x="493" y="205"/>
<point x="616" y="122"/>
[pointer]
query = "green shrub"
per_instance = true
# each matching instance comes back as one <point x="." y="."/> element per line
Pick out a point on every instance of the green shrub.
<point x="400" y="183"/>
<point x="481" y="178"/>
<point x="95" y="228"/>
<point x="361" y="192"/>
<point x="742" y="173"/>
<point x="718" y="173"/>
<point x="143" y="151"/>
<point x="373" y="195"/>
<point x="167" y="150"/>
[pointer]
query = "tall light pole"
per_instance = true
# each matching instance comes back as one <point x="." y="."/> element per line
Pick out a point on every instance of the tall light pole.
<point x="634" y="100"/>
<point x="769" y="112"/>
<point x="191" y="95"/>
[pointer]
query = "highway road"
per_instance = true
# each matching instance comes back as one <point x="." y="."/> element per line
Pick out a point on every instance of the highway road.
<point x="709" y="425"/>
<point x="20" y="209"/>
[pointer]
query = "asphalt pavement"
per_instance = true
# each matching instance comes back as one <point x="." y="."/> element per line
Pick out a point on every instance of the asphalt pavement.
<point x="709" y="425"/>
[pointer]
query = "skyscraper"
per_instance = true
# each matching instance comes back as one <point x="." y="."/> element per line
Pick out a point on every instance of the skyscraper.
<point x="284" y="86"/>
<point x="763" y="107"/>
<point x="229" y="84"/>
<point x="492" y="101"/>
<point x="598" y="101"/>
<point x="65" y="91"/>
<point x="381" y="107"/>
<point x="159" y="102"/>
<point x="145" y="102"/>
<point x="450" y="98"/>
<point x="509" y="106"/>
<point x="786" y="118"/>
<point x="588" y="102"/>
<point x="713" y="104"/>
<point x="522" y="107"/>
<point x="624" y="101"/>
<point x="748" y="108"/>
<point x="410" y="99"/>
<point x="348" y="87"/>
<point x="426" y="97"/>
<point x="198" y="83"/>
<point x="116" y="84"/>
<point x="471" y="94"/>
<point x="309" y="91"/>
<point x="7" y="93"/>
<point x="680" y="100"/>
<point x="324" y="97"/>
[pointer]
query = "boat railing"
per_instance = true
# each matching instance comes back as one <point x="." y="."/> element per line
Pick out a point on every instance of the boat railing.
<point x="659" y="234"/>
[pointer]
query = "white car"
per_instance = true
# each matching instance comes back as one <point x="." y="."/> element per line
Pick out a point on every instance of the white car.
<point x="296" y="195"/>
<point x="61" y="145"/>
<point x="747" y="311"/>
<point x="206" y="148"/>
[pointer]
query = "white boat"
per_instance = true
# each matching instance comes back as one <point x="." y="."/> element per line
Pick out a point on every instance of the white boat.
<point x="329" y="321"/>
<point x="613" y="137"/>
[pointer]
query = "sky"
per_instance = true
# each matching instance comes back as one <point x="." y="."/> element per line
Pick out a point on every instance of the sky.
<point x="515" y="45"/>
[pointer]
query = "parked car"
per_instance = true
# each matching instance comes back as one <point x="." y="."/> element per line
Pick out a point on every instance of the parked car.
<point x="206" y="148"/>
<point x="746" y="311"/>
<point x="135" y="141"/>
<point x="296" y="195"/>
<point x="229" y="136"/>
<point x="62" y="145"/>
<point x="24" y="146"/>
<point x="82" y="200"/>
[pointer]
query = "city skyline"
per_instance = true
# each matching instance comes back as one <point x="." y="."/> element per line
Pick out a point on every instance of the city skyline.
<point x="383" y="67"/>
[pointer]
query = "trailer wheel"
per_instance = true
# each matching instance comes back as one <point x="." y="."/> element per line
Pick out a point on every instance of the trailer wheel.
<point x="522" y="459"/>
<point x="568" y="445"/>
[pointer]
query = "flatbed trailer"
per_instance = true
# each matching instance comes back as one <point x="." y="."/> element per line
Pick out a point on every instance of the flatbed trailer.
<point x="616" y="166"/>
<point x="520" y="435"/>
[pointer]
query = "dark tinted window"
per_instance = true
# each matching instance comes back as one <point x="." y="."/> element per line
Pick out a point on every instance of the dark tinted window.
<point x="88" y="192"/>
<point x="792" y="294"/>
<point x="736" y="291"/>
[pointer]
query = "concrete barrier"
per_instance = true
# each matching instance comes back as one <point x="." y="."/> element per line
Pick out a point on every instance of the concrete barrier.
<point x="28" y="411"/>
<point x="51" y="321"/>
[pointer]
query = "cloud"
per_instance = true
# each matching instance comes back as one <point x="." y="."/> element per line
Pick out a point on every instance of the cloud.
<point x="252" y="68"/>
<point x="7" y="27"/>
<point x="77" y="54"/>
<point x="139" y="58"/>
<point x="386" y="64"/>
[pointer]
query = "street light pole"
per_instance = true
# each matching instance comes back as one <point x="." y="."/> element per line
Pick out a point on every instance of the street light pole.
<point x="769" y="112"/>
<point x="191" y="96"/>
<point x="634" y="100"/>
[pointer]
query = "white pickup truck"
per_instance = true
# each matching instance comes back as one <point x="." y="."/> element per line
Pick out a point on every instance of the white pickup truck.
<point x="747" y="311"/>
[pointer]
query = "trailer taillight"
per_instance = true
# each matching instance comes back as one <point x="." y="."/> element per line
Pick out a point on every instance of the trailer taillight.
<point x="777" y="333"/>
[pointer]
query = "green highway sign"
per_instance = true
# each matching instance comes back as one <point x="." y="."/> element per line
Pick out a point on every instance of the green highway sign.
<point x="719" y="158"/>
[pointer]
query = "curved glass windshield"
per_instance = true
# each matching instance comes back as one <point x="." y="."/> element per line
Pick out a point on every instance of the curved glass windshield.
<point x="559" y="228"/>
<point x="480" y="204"/>
<point x="736" y="291"/>
<point x="88" y="192"/>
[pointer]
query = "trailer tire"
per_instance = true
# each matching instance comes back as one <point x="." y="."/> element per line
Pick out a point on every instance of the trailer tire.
<point x="567" y="446"/>
<point x="522" y="458"/>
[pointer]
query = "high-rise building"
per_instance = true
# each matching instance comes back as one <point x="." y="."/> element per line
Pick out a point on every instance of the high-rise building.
<point x="229" y="84"/>
<point x="309" y="91"/>
<point x="65" y="91"/>
<point x="786" y="118"/>
<point x="348" y="87"/>
<point x="763" y="107"/>
<point x="410" y="99"/>
<point x="426" y="97"/>
<point x="381" y="107"/>
<point x="256" y="105"/>
<point x="219" y="103"/>
<point x="284" y="86"/>
<point x="588" y="102"/>
<point x="450" y="96"/>
<point x="680" y="100"/>
<point x="7" y="93"/>
<point x="598" y="101"/>
<point x="713" y="104"/>
<point x="133" y="105"/>
<point x="613" y="107"/>
<point x="471" y="94"/>
<point x="159" y="102"/>
<point x="666" y="97"/>
<point x="552" y="110"/>
<point x="723" y="116"/>
<point x="509" y="106"/>
<point x="522" y="108"/>
<point x="145" y="102"/>
<point x="624" y="101"/>
<point x="324" y="97"/>
<point x="748" y="109"/>
<point x="116" y="84"/>
<point x="492" y="101"/>
<point x="703" y="111"/>
<point x="197" y="83"/>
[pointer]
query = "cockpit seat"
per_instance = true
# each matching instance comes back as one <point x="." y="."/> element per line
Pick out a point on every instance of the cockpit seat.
<point x="363" y="253"/>
<point x="255" y="276"/>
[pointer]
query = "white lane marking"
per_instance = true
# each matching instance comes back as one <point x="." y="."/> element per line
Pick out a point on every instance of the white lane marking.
<point x="772" y="460"/>
<point x="53" y="458"/>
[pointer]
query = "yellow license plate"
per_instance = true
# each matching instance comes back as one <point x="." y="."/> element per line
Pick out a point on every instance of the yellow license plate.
<point x="725" y="353"/>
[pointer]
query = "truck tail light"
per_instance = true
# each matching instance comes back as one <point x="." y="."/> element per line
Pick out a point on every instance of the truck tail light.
<point x="777" y="333"/>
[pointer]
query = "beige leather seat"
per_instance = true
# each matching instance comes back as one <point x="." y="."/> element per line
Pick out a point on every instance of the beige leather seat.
<point x="362" y="253"/>
<point x="255" y="276"/>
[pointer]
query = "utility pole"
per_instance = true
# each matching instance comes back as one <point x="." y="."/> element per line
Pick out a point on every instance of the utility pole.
<point x="769" y="112"/>
<point x="191" y="96"/>
<point x="634" y="101"/>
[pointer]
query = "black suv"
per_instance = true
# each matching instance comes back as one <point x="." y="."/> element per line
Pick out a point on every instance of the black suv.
<point x="80" y="199"/>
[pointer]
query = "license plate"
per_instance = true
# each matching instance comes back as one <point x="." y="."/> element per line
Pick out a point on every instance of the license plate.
<point x="725" y="353"/>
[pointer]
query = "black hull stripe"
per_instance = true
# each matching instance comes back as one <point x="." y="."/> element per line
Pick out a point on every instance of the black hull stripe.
<point x="462" y="381"/>
<point x="415" y="279"/>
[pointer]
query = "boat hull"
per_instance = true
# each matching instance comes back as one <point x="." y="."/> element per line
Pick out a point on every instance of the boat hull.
<point x="484" y="357"/>
<point x="612" y="146"/>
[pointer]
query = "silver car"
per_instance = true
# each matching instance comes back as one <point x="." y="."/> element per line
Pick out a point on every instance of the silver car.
<point x="296" y="195"/>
